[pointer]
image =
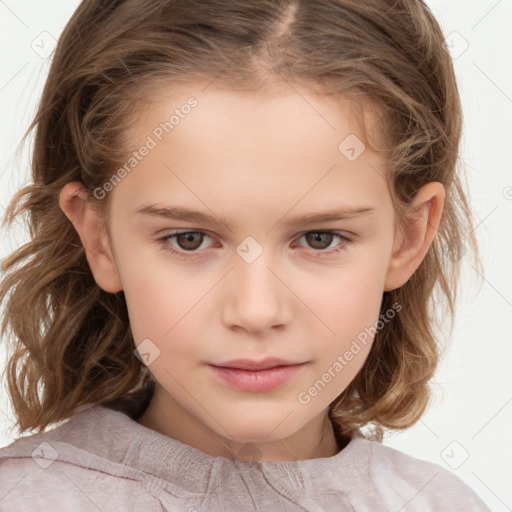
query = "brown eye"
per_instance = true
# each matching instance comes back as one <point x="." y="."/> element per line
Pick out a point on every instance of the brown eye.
<point x="324" y="243"/>
<point x="185" y="244"/>
<point x="319" y="239"/>
<point x="188" y="244"/>
<point x="189" y="241"/>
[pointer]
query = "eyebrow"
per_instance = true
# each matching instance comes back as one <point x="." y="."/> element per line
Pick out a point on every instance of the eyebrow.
<point x="186" y="214"/>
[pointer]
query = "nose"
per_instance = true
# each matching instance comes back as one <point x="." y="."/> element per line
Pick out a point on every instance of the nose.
<point x="256" y="298"/>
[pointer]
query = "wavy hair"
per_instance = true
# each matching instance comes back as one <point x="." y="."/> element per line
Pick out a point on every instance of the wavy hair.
<point x="71" y="341"/>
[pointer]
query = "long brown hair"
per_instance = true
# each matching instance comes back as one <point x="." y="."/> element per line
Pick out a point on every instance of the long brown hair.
<point x="71" y="341"/>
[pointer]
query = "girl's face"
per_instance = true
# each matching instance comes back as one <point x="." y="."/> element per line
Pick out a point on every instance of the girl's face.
<point x="259" y="275"/>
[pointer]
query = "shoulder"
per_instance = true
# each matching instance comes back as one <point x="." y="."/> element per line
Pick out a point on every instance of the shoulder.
<point x="415" y="484"/>
<point x="38" y="472"/>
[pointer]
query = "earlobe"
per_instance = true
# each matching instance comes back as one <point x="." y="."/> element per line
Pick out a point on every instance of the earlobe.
<point x="414" y="239"/>
<point x="88" y="224"/>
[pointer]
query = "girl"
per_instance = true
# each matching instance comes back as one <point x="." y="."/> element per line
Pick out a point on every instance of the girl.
<point x="240" y="214"/>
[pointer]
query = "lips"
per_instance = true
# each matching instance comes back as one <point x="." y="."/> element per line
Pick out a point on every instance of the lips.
<point x="249" y="364"/>
<point x="255" y="376"/>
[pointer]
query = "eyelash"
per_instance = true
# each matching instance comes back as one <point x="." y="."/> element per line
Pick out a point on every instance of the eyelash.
<point x="164" y="242"/>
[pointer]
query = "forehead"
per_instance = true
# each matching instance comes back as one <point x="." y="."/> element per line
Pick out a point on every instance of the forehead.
<point x="275" y="107"/>
<point x="280" y="146"/>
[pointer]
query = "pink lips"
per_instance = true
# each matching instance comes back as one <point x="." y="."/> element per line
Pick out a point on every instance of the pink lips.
<point x="256" y="376"/>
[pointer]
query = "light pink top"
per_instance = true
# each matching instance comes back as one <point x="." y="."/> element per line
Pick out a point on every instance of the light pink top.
<point x="101" y="460"/>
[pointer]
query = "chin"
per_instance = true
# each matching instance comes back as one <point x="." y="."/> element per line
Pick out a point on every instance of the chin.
<point x="258" y="428"/>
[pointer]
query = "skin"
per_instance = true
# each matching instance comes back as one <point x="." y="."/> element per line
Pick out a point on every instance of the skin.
<point x="256" y="160"/>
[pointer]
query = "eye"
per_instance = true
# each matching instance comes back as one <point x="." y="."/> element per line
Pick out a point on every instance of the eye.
<point x="189" y="242"/>
<point x="321" y="240"/>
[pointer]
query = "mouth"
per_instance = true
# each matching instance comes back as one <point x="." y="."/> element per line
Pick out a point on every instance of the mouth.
<point x="249" y="364"/>
<point x="256" y="377"/>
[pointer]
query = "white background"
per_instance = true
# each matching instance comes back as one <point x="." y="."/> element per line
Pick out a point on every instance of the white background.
<point x="467" y="427"/>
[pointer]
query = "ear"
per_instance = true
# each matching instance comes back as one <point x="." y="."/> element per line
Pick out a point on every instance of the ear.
<point x="413" y="240"/>
<point x="93" y="235"/>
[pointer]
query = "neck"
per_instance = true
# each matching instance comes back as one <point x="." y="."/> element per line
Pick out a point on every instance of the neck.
<point x="315" y="440"/>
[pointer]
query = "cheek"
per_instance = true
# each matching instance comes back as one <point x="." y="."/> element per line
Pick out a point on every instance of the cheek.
<point x="348" y="302"/>
<point x="350" y="308"/>
<point x="167" y="317"/>
<point x="158" y="297"/>
<point x="347" y="299"/>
